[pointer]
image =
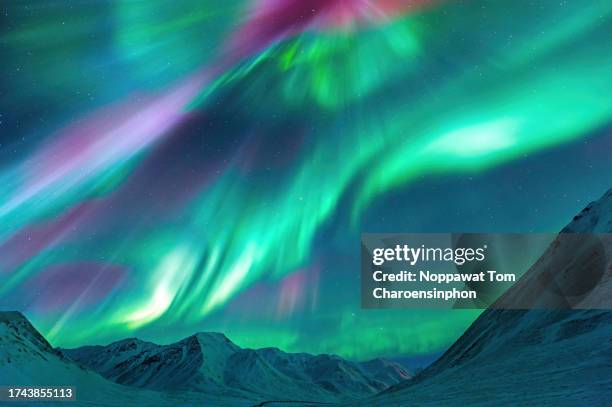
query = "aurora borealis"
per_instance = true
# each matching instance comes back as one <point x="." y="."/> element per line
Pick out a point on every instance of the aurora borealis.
<point x="168" y="167"/>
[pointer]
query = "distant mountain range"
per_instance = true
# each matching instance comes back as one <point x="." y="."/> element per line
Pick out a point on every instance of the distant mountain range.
<point x="517" y="357"/>
<point x="204" y="368"/>
<point x="211" y="363"/>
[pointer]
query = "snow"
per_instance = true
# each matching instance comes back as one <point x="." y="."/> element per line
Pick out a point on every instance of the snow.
<point x="26" y="358"/>
<point x="531" y="357"/>
<point x="211" y="363"/>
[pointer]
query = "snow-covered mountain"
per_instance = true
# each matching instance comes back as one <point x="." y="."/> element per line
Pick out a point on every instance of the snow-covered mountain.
<point x="203" y="369"/>
<point x="23" y="351"/>
<point x="335" y="374"/>
<point x="27" y="359"/>
<point x="211" y="363"/>
<point x="174" y="367"/>
<point x="539" y="356"/>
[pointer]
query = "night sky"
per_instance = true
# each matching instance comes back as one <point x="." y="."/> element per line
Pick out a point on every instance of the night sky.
<point x="169" y="167"/>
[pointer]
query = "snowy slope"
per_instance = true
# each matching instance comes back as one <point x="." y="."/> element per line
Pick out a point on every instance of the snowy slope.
<point x="179" y="366"/>
<point x="211" y="363"/>
<point x="576" y="269"/>
<point x="529" y="357"/>
<point x="26" y="358"/>
<point x="335" y="374"/>
<point x="203" y="369"/>
<point x="385" y="372"/>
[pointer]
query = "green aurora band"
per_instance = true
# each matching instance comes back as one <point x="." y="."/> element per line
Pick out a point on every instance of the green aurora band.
<point x="449" y="90"/>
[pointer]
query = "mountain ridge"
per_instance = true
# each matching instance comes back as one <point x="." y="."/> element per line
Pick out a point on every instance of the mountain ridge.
<point x="203" y="367"/>
<point x="561" y="356"/>
<point x="211" y="362"/>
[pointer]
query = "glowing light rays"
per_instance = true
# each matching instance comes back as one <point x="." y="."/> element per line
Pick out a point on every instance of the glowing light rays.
<point x="375" y="96"/>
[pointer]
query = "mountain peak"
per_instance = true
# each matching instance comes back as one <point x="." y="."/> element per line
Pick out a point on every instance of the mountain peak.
<point x="207" y="339"/>
<point x="211" y="335"/>
<point x="12" y="316"/>
<point x="596" y="217"/>
<point x="126" y="341"/>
